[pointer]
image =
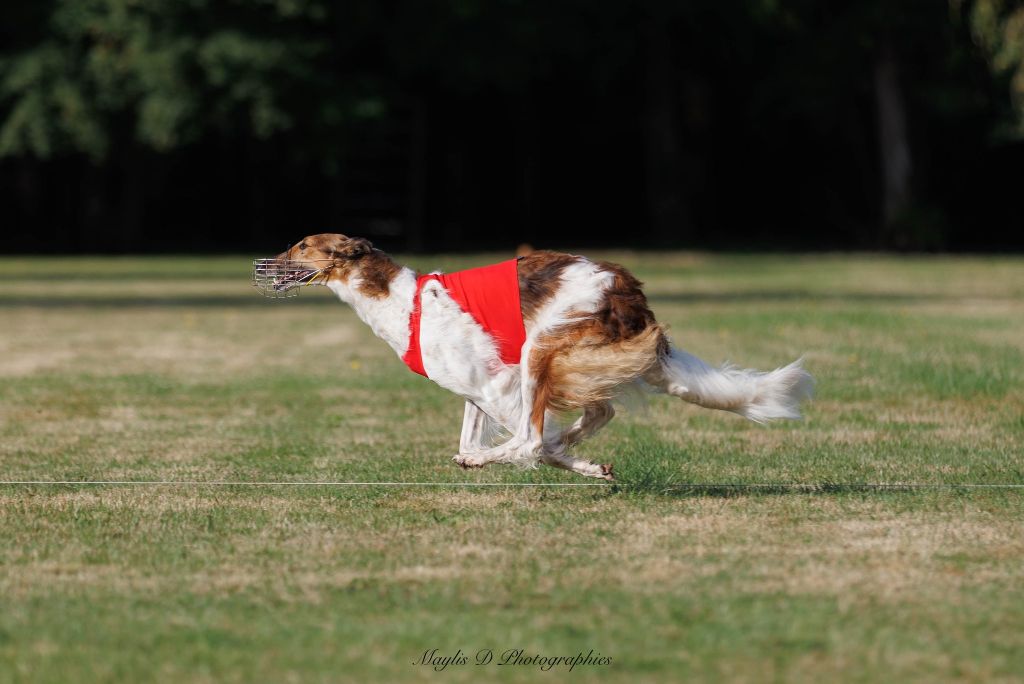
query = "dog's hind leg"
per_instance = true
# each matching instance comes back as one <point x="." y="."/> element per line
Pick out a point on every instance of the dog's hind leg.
<point x="594" y="417"/>
<point x="565" y="461"/>
<point x="557" y="442"/>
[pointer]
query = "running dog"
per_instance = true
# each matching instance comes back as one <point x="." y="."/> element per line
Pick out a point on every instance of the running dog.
<point x="525" y="341"/>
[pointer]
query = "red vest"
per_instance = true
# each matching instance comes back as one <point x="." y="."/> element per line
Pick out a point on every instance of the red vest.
<point x="490" y="294"/>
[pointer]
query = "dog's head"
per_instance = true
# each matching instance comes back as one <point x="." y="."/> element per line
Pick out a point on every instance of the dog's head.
<point x="317" y="260"/>
<point x="316" y="252"/>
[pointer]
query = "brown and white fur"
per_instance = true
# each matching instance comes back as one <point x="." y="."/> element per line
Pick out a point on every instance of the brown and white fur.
<point x="589" y="336"/>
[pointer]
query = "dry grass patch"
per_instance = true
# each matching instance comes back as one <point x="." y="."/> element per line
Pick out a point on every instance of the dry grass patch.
<point x="869" y="555"/>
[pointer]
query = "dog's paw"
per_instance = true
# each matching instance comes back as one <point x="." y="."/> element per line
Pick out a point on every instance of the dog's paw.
<point x="466" y="462"/>
<point x="607" y="472"/>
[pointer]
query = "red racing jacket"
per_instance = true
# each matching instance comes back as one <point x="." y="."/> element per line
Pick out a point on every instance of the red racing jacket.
<point x="490" y="294"/>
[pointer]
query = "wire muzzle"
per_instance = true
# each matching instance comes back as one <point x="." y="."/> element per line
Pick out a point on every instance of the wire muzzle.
<point x="279" y="278"/>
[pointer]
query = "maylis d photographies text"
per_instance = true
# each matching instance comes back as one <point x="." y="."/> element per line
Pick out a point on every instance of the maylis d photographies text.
<point x="514" y="656"/>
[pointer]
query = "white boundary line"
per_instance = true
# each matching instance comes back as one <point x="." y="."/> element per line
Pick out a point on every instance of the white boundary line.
<point x="695" y="485"/>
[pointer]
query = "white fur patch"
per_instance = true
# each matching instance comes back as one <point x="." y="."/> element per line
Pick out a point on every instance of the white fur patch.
<point x="388" y="317"/>
<point x="582" y="289"/>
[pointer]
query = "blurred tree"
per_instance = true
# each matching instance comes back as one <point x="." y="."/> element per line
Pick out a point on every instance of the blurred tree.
<point x="998" y="27"/>
<point x="167" y="70"/>
<point x="883" y="76"/>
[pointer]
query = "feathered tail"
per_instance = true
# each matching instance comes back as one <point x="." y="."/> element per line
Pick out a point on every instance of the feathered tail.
<point x="757" y="395"/>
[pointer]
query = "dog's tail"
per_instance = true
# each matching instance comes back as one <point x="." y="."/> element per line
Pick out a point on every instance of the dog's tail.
<point x="757" y="395"/>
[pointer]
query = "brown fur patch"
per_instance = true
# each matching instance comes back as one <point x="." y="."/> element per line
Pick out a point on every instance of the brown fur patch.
<point x="624" y="312"/>
<point x="540" y="364"/>
<point x="540" y="275"/>
<point x="376" y="271"/>
<point x="579" y="365"/>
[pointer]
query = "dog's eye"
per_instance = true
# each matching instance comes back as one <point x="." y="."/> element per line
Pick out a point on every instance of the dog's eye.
<point x="302" y="246"/>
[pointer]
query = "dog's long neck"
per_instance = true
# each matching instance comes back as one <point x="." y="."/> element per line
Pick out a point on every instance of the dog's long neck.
<point x="386" y="314"/>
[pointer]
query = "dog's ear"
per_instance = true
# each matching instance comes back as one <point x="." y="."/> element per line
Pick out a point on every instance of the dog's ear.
<point x="348" y="247"/>
<point x="356" y="247"/>
<point x="353" y="248"/>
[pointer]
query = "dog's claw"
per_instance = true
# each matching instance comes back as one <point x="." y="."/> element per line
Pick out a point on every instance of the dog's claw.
<point x="608" y="472"/>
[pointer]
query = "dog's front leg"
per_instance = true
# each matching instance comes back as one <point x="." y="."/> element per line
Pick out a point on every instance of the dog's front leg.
<point x="474" y="432"/>
<point x="526" y="422"/>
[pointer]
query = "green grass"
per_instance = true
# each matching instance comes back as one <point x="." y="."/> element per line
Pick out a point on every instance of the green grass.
<point x="175" y="369"/>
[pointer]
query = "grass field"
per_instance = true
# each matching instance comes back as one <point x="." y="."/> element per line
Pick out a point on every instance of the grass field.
<point x="175" y="369"/>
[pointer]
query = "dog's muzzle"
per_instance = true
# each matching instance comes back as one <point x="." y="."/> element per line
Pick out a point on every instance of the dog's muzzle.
<point x="283" y="278"/>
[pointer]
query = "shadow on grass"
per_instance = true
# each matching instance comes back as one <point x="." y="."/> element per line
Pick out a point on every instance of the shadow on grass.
<point x="748" y="489"/>
<point x="652" y="467"/>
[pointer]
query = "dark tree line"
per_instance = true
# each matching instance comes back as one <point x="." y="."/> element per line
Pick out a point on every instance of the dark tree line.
<point x="130" y="125"/>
